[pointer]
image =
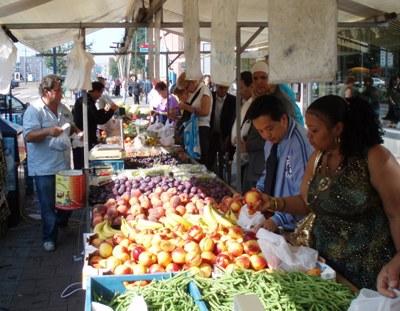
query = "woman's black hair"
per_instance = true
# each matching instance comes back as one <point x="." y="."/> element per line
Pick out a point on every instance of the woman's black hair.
<point x="160" y="86"/>
<point x="361" y="127"/>
<point x="267" y="105"/>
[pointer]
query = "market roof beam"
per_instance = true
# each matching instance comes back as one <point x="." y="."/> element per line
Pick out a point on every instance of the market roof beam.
<point x="22" y="5"/>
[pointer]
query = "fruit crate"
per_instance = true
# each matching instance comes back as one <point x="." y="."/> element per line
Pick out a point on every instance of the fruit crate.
<point x="108" y="286"/>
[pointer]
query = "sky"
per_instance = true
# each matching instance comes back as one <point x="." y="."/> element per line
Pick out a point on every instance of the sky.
<point x="102" y="40"/>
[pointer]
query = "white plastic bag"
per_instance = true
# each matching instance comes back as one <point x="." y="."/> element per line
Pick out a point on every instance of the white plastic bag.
<point x="369" y="300"/>
<point x="250" y="222"/>
<point x="280" y="255"/>
<point x="62" y="141"/>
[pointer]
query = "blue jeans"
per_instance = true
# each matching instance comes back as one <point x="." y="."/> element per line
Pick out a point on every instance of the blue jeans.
<point x="46" y="189"/>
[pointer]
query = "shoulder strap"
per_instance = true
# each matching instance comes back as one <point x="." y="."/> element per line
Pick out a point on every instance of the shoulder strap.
<point x="316" y="161"/>
<point x="194" y="97"/>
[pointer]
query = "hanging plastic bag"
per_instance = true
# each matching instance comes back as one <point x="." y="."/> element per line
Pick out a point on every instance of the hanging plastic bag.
<point x="280" y="255"/>
<point x="191" y="137"/>
<point x="370" y="300"/>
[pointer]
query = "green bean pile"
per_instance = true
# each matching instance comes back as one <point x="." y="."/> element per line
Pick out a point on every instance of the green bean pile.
<point x="168" y="294"/>
<point x="277" y="291"/>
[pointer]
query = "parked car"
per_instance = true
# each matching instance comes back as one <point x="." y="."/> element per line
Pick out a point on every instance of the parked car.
<point x="379" y="83"/>
<point x="17" y="107"/>
<point x="14" y="83"/>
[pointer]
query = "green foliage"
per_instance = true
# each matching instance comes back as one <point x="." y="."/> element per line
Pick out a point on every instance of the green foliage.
<point x="113" y="71"/>
<point x="138" y="61"/>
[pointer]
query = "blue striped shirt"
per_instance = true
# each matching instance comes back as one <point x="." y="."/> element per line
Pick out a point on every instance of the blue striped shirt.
<point x="293" y="153"/>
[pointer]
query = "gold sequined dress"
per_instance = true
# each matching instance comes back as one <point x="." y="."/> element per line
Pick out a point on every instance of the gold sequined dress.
<point x="351" y="230"/>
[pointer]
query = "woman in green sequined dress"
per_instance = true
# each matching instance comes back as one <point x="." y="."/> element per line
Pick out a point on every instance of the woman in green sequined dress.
<point x="352" y="184"/>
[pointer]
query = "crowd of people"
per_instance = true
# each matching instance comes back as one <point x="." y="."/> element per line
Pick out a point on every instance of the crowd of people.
<point x="336" y="169"/>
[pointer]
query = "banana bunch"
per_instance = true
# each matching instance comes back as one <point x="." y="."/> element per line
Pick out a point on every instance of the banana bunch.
<point x="214" y="219"/>
<point x="127" y="230"/>
<point x="104" y="230"/>
<point x="231" y="216"/>
<point x="172" y="220"/>
<point x="144" y="224"/>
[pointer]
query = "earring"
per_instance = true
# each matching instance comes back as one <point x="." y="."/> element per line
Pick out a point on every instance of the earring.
<point x="338" y="140"/>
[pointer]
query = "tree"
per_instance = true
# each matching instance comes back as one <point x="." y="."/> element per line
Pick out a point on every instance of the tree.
<point x="138" y="61"/>
<point x="61" y="60"/>
<point x="113" y="68"/>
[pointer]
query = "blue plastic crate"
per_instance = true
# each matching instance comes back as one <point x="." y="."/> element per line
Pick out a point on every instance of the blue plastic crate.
<point x="108" y="285"/>
<point x="117" y="165"/>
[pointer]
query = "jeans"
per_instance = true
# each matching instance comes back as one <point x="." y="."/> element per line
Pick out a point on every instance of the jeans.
<point x="46" y="188"/>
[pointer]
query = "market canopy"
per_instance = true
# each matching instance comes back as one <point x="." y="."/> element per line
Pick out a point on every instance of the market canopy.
<point x="18" y="14"/>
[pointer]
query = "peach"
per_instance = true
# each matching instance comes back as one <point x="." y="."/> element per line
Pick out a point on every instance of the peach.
<point x="223" y="260"/>
<point x="122" y="269"/>
<point x="193" y="259"/>
<point x="196" y="233"/>
<point x="156" y="268"/>
<point x="192" y="247"/>
<point x="235" y="206"/>
<point x="121" y="252"/>
<point x="252" y="198"/>
<point x="173" y="267"/>
<point x="206" y="244"/>
<point x="167" y="245"/>
<point x="234" y="248"/>
<point x="205" y="270"/>
<point x="236" y="233"/>
<point x="105" y="249"/>
<point x="112" y="263"/>
<point x="164" y="258"/>
<point x="258" y="262"/>
<point x="147" y="259"/>
<point x="243" y="261"/>
<point x="139" y="269"/>
<point x="94" y="261"/>
<point x="251" y="247"/>
<point x="178" y="255"/>
<point x="208" y="257"/>
<point x="96" y="242"/>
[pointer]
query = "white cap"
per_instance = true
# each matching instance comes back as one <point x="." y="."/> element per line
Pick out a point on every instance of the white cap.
<point x="260" y="66"/>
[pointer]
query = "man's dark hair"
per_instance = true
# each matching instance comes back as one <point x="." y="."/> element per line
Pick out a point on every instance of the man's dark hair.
<point x="267" y="105"/>
<point x="97" y="86"/>
<point x="246" y="77"/>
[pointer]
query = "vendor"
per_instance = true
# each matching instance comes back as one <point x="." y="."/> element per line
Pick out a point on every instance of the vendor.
<point x="354" y="192"/>
<point x="95" y="117"/>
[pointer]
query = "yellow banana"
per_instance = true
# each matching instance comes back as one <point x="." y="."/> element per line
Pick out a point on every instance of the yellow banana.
<point x="127" y="229"/>
<point x="169" y="222"/>
<point x="180" y="220"/>
<point x="231" y="217"/>
<point x="224" y="222"/>
<point x="209" y="218"/>
<point x="109" y="231"/>
<point x="98" y="229"/>
<point x="144" y="224"/>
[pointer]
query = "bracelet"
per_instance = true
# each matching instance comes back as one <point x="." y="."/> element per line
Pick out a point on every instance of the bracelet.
<point x="274" y="204"/>
<point x="283" y="206"/>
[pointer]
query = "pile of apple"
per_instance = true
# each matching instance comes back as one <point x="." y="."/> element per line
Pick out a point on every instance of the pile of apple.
<point x="167" y="250"/>
<point x="153" y="197"/>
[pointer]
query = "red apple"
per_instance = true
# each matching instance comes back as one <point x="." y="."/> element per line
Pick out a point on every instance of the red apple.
<point x="258" y="262"/>
<point x="251" y="247"/>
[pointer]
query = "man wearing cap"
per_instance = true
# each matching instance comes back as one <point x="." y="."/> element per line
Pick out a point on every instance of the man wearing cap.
<point x="223" y="115"/>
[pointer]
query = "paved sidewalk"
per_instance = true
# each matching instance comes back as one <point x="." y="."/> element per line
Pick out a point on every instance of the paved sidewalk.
<point x="32" y="279"/>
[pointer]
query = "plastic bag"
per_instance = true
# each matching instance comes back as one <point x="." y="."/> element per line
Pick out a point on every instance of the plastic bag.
<point x="370" y="300"/>
<point x="249" y="222"/>
<point x="62" y="142"/>
<point x="191" y="137"/>
<point x="280" y="255"/>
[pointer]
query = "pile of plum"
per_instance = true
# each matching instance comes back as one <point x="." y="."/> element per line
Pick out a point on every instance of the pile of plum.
<point x="148" y="162"/>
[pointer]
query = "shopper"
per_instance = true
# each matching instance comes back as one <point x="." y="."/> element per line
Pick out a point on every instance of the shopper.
<point x="199" y="103"/>
<point x="42" y="121"/>
<point x="287" y="151"/>
<point x="354" y="192"/>
<point x="95" y="117"/>
<point x="168" y="108"/>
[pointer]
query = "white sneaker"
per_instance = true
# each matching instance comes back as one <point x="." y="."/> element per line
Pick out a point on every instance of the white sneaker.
<point x="49" y="246"/>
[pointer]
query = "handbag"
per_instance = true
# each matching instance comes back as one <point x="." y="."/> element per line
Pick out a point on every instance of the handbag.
<point x="302" y="235"/>
<point x="191" y="137"/>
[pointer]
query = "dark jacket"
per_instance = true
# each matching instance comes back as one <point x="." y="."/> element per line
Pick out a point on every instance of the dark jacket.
<point x="95" y="117"/>
<point x="228" y="115"/>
